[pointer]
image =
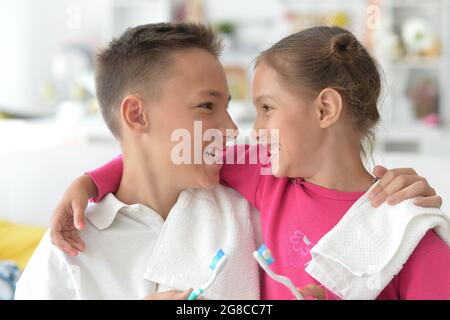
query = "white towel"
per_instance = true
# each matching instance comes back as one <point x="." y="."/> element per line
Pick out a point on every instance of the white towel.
<point x="360" y="256"/>
<point x="201" y="222"/>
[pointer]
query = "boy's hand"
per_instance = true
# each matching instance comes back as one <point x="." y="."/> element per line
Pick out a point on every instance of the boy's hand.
<point x="400" y="184"/>
<point x="171" y="295"/>
<point x="68" y="216"/>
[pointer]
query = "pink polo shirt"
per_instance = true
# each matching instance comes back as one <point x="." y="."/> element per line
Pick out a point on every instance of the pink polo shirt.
<point x="295" y="215"/>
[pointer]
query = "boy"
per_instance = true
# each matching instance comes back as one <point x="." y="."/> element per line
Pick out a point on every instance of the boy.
<point x="160" y="229"/>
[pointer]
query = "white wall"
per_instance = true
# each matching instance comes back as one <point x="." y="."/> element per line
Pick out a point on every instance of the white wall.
<point x="31" y="33"/>
<point x="32" y="182"/>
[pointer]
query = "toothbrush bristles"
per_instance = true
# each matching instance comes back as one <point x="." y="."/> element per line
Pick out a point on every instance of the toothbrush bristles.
<point x="215" y="260"/>
<point x="265" y="253"/>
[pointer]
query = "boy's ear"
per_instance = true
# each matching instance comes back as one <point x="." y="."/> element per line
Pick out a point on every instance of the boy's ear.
<point x="132" y="113"/>
<point x="329" y="107"/>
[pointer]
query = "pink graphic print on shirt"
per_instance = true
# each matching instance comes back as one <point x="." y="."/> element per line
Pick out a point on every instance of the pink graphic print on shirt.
<point x="300" y="246"/>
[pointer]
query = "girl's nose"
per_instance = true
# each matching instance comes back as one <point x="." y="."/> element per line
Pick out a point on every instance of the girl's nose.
<point x="258" y="134"/>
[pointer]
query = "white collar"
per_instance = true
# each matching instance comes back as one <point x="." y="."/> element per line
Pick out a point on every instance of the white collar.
<point x="103" y="213"/>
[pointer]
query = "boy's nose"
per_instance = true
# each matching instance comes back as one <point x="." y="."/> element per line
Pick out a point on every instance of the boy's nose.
<point x="230" y="124"/>
<point x="230" y="130"/>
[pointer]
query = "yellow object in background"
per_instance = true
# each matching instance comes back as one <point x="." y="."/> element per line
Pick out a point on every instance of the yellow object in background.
<point x="17" y="242"/>
<point x="340" y="19"/>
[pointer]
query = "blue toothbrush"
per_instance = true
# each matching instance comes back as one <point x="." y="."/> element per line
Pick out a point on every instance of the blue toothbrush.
<point x="265" y="259"/>
<point x="217" y="264"/>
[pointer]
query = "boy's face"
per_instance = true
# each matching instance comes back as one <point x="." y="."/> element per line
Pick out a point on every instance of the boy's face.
<point x="192" y="99"/>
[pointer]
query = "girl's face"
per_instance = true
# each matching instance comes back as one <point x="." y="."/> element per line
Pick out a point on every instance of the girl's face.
<point x="295" y="117"/>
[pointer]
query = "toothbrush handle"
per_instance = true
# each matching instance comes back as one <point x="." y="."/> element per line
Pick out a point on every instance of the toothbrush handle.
<point x="288" y="283"/>
<point x="195" y="294"/>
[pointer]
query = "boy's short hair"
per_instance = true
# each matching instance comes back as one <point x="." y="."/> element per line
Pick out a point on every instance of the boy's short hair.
<point x="140" y="57"/>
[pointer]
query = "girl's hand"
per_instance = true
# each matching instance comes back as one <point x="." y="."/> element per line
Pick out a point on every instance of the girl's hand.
<point x="313" y="291"/>
<point x="171" y="295"/>
<point x="400" y="184"/>
<point x="68" y="216"/>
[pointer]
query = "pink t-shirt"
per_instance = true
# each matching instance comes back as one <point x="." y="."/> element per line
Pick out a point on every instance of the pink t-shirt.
<point x="295" y="215"/>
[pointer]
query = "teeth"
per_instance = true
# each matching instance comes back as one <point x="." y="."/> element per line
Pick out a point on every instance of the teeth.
<point x="211" y="152"/>
<point x="275" y="147"/>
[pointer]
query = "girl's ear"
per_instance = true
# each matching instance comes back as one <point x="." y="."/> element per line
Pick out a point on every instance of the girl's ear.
<point x="329" y="107"/>
<point x="133" y="115"/>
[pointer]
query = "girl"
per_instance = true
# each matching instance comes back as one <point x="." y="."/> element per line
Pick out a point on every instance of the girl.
<point x="320" y="88"/>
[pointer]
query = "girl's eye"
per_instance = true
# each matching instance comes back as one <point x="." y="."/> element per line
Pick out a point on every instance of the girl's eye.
<point x="207" y="105"/>
<point x="267" y="108"/>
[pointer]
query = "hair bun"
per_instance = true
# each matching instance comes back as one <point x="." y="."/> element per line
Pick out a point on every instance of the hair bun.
<point x="344" y="46"/>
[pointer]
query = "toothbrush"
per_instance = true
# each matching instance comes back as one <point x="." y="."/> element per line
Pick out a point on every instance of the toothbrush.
<point x="217" y="264"/>
<point x="265" y="259"/>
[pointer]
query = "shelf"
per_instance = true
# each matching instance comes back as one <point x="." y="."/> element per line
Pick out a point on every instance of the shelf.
<point x="405" y="70"/>
<point x="412" y="63"/>
<point x="414" y="138"/>
<point x="49" y="133"/>
<point x="415" y="4"/>
<point x="131" y="4"/>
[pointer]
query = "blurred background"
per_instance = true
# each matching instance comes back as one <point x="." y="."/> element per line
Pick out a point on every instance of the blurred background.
<point x="51" y="130"/>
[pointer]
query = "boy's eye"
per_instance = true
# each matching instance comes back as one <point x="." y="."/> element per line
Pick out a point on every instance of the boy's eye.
<point x="207" y="105"/>
<point x="266" y="108"/>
